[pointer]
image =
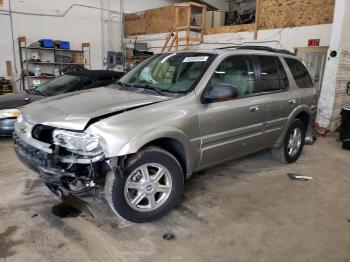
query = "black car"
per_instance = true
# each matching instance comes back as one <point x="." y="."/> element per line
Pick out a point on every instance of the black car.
<point x="73" y="81"/>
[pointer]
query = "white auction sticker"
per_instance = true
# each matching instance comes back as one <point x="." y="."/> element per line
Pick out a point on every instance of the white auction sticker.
<point x="192" y="59"/>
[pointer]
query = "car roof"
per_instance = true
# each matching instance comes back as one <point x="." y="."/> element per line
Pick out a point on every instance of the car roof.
<point x="235" y="50"/>
<point x="97" y="73"/>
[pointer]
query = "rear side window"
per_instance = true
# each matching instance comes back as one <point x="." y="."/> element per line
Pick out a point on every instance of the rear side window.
<point x="299" y="72"/>
<point x="273" y="75"/>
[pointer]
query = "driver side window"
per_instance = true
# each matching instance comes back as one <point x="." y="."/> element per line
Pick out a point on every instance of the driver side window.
<point x="237" y="71"/>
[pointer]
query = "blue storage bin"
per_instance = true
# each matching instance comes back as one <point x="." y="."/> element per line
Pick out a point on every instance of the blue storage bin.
<point x="47" y="43"/>
<point x="65" y="45"/>
<point x="62" y="44"/>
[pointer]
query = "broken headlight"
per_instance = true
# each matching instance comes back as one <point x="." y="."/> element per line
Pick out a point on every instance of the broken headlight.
<point x="9" y="113"/>
<point x="80" y="143"/>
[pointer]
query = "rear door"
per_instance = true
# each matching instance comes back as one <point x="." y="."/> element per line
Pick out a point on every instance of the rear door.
<point x="233" y="128"/>
<point x="304" y="87"/>
<point x="278" y="99"/>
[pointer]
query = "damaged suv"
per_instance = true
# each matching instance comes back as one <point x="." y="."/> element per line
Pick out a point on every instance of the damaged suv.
<point x="171" y="116"/>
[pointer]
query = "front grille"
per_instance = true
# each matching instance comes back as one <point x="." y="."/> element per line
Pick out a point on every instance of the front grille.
<point x="32" y="155"/>
<point x="43" y="133"/>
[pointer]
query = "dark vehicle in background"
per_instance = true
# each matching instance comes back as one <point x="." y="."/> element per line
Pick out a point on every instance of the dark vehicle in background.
<point x="70" y="82"/>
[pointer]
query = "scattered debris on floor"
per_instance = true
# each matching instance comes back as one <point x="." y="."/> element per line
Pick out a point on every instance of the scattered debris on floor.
<point x="299" y="177"/>
<point x="168" y="236"/>
<point x="310" y="140"/>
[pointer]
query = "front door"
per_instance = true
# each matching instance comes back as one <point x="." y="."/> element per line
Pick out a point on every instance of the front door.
<point x="233" y="128"/>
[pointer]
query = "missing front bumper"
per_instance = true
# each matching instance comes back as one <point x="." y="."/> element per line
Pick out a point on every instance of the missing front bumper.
<point x="52" y="171"/>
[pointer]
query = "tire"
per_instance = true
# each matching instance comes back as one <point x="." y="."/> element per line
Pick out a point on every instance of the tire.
<point x="285" y="153"/>
<point x="137" y="199"/>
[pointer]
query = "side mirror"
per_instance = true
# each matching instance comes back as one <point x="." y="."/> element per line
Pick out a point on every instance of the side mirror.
<point x="218" y="93"/>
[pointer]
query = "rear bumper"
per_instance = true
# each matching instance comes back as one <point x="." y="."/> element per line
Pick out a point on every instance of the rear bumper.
<point x="7" y="126"/>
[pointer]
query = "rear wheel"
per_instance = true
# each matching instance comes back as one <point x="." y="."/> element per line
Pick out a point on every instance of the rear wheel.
<point x="293" y="143"/>
<point x="149" y="188"/>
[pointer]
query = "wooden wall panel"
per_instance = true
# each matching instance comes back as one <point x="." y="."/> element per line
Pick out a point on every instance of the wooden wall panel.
<point x="153" y="21"/>
<point x="293" y="13"/>
<point x="229" y="29"/>
<point x="273" y="14"/>
<point x="135" y="24"/>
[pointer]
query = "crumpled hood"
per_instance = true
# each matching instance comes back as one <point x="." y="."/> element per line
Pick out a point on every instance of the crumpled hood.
<point x="10" y="101"/>
<point x="74" y="110"/>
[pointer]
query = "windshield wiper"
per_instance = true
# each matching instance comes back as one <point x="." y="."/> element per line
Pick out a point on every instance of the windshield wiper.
<point x="38" y="91"/>
<point x="150" y="87"/>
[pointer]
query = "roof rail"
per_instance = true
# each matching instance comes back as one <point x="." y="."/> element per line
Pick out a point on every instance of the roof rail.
<point x="262" y="48"/>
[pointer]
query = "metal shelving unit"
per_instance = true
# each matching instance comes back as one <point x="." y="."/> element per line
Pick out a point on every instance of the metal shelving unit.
<point x="49" y="65"/>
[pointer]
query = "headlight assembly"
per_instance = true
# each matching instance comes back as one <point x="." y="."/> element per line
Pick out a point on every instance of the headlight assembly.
<point x="80" y="143"/>
<point x="9" y="113"/>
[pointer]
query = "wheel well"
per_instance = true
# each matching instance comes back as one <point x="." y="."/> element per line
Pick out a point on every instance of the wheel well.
<point x="303" y="116"/>
<point x="174" y="147"/>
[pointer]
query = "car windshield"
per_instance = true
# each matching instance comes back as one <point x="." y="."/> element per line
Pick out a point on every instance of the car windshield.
<point x="170" y="72"/>
<point x="64" y="84"/>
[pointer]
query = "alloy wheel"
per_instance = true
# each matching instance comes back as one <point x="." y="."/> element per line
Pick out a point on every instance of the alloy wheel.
<point x="148" y="187"/>
<point x="294" y="142"/>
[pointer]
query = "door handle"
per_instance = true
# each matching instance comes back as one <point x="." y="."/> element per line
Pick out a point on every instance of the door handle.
<point x="292" y="101"/>
<point x="254" y="108"/>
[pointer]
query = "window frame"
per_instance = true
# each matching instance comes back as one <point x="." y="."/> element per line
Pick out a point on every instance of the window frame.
<point x="212" y="57"/>
<point x="291" y="73"/>
<point x="259" y="81"/>
<point x="257" y="88"/>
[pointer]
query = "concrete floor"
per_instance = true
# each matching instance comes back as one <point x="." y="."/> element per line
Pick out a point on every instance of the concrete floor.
<point x="246" y="210"/>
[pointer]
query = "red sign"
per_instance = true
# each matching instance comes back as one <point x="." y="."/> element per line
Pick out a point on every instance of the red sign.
<point x="313" y="42"/>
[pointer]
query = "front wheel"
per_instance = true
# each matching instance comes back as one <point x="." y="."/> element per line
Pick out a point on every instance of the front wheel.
<point x="150" y="187"/>
<point x="293" y="144"/>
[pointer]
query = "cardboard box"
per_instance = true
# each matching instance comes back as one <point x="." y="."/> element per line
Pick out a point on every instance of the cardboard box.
<point x="209" y="19"/>
<point x="78" y="58"/>
<point x="219" y="18"/>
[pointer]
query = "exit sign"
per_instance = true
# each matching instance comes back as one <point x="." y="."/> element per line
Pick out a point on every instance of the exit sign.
<point x="314" y="42"/>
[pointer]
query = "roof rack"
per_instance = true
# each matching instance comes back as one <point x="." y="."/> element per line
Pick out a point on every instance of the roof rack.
<point x="262" y="48"/>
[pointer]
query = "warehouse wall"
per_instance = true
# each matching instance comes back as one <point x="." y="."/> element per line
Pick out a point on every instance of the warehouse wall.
<point x="337" y="73"/>
<point x="286" y="38"/>
<point x="79" y="25"/>
<point x="141" y="5"/>
<point x="273" y="14"/>
<point x="291" y="13"/>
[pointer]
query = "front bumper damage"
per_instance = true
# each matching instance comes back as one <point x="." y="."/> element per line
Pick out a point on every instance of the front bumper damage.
<point x="62" y="174"/>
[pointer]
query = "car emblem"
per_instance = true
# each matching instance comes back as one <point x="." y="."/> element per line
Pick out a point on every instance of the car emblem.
<point x="23" y="129"/>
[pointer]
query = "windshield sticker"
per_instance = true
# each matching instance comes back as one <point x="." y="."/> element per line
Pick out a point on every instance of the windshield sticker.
<point x="192" y="59"/>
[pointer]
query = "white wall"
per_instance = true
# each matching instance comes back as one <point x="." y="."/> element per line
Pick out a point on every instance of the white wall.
<point x="287" y="38"/>
<point x="81" y="24"/>
<point x="337" y="71"/>
<point x="345" y="39"/>
<point x="101" y="28"/>
<point x="131" y="6"/>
